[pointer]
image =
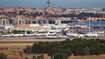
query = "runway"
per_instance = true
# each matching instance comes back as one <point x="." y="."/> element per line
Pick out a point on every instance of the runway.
<point x="44" y="37"/>
<point x="24" y="42"/>
<point x="35" y="38"/>
<point x="23" y="37"/>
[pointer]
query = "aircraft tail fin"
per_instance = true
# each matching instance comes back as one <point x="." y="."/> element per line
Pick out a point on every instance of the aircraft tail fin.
<point x="64" y="32"/>
<point x="80" y="32"/>
<point x="25" y="33"/>
<point x="39" y="22"/>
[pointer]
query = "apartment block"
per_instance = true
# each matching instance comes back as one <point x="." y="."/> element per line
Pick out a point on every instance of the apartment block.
<point x="4" y="21"/>
<point x="19" y="20"/>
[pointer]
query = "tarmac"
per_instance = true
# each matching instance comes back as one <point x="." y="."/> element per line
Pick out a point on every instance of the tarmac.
<point x="44" y="37"/>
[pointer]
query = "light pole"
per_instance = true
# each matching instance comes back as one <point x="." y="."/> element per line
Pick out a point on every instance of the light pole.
<point x="89" y="25"/>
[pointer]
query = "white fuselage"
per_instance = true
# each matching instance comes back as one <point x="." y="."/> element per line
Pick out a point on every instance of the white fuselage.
<point x="60" y="26"/>
<point x="92" y="34"/>
<point x="52" y="36"/>
<point x="72" y="34"/>
<point x="6" y="35"/>
<point x="41" y="34"/>
<point x="17" y="35"/>
<point x="30" y="34"/>
<point x="100" y="32"/>
<point x="56" y="30"/>
<point x="51" y="33"/>
<point x="75" y="35"/>
<point x="42" y="30"/>
<point x="62" y="36"/>
<point x="80" y="35"/>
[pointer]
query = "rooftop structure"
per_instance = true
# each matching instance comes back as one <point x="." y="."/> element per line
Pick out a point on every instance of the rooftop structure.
<point x="48" y="4"/>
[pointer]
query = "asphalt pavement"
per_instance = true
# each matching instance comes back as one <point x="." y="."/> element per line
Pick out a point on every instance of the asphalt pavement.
<point x="44" y="37"/>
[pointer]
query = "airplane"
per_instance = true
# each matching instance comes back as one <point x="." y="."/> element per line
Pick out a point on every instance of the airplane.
<point x="29" y="34"/>
<point x="60" y="26"/>
<point x="78" y="34"/>
<point x="72" y="34"/>
<point x="57" y="36"/>
<point x="56" y="30"/>
<point x="42" y="30"/>
<point x="7" y="35"/>
<point x="52" y="37"/>
<point x="62" y="36"/>
<point x="100" y="32"/>
<point x="89" y="34"/>
<point x="92" y="34"/>
<point x="47" y="26"/>
<point x="13" y="35"/>
<point x="41" y="34"/>
<point x="51" y="32"/>
<point x="39" y="30"/>
<point x="16" y="35"/>
<point x="35" y="30"/>
<point x="36" y="26"/>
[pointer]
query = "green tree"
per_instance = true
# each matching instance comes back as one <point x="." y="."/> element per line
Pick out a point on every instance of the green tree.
<point x="87" y="52"/>
<point x="21" y="54"/>
<point x="93" y="50"/>
<point x="66" y="57"/>
<point x="44" y="48"/>
<point x="38" y="57"/>
<point x="79" y="51"/>
<point x="28" y="32"/>
<point x="26" y="58"/>
<point x="34" y="57"/>
<point x="41" y="43"/>
<point x="103" y="48"/>
<point x="46" y="43"/>
<point x="67" y="39"/>
<point x="1" y="31"/>
<point x="42" y="56"/>
<point x="8" y="31"/>
<point x="103" y="20"/>
<point x="2" y="56"/>
<point x="29" y="49"/>
<point x="99" y="51"/>
<point x="59" y="56"/>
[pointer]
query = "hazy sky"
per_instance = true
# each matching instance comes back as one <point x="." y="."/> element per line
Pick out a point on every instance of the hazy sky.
<point x="53" y="3"/>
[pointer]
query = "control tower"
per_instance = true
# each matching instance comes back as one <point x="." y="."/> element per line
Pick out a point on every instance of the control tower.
<point x="48" y="4"/>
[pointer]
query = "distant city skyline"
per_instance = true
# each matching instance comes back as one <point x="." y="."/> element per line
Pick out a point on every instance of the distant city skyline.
<point x="53" y="3"/>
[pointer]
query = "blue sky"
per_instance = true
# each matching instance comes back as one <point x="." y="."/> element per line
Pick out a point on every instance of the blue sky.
<point x="53" y="3"/>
